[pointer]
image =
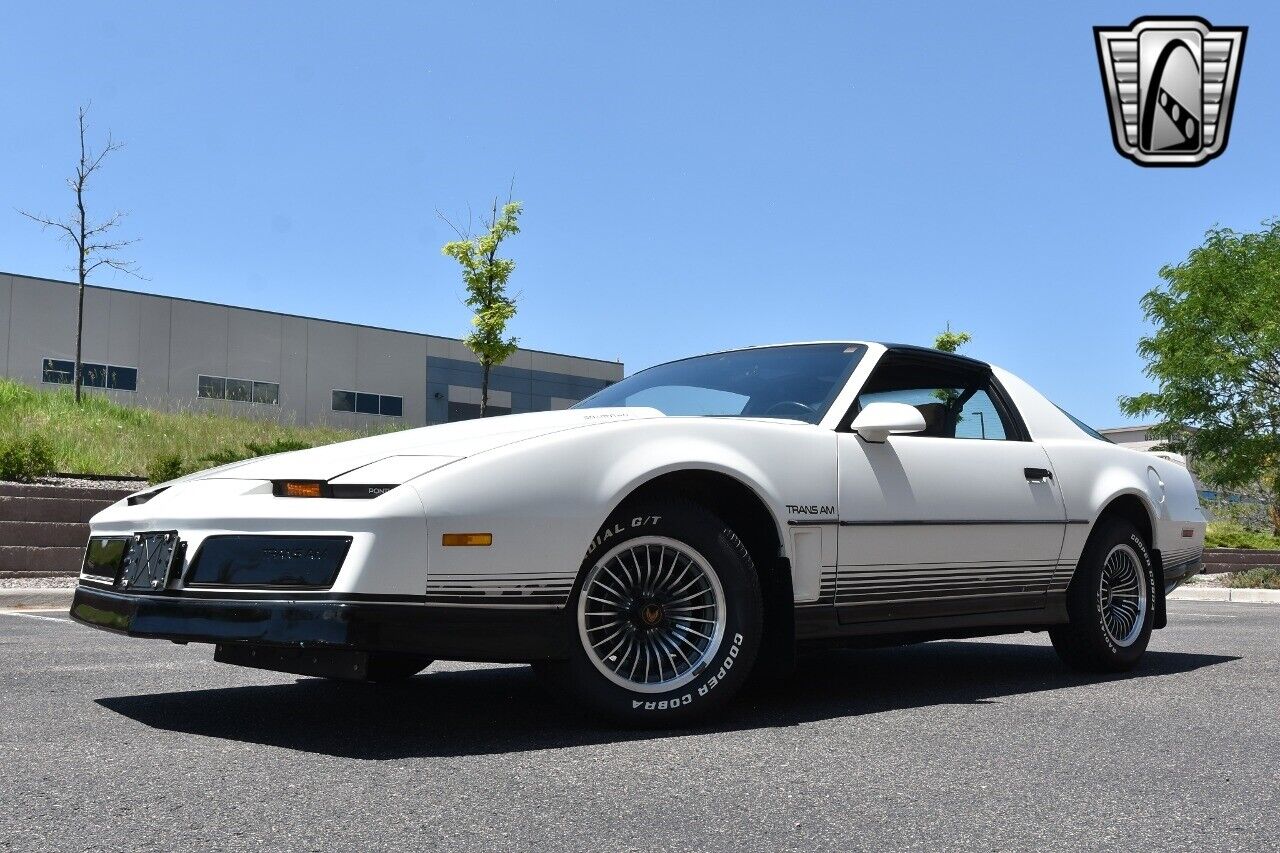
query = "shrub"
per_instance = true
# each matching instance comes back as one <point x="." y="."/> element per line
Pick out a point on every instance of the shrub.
<point x="254" y="448"/>
<point x="276" y="445"/>
<point x="1226" y="534"/>
<point x="225" y="457"/>
<point x="1252" y="515"/>
<point x="165" y="467"/>
<point x="25" y="459"/>
<point x="1265" y="577"/>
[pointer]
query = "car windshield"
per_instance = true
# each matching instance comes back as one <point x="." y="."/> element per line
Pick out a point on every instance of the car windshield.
<point x="794" y="382"/>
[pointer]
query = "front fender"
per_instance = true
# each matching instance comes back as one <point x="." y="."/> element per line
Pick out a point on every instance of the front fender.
<point x="544" y="500"/>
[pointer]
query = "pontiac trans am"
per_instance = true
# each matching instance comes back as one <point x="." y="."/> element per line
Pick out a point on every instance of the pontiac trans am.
<point x="682" y="530"/>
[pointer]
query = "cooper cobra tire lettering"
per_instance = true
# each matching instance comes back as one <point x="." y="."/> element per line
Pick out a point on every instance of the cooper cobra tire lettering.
<point x="725" y="666"/>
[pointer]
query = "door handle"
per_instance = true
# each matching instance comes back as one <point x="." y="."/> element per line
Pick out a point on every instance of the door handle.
<point x="1038" y="475"/>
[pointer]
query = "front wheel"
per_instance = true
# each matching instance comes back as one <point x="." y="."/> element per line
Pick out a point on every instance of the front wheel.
<point x="1110" y="603"/>
<point x="666" y="617"/>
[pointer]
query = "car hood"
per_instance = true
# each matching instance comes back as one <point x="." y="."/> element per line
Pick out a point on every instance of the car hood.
<point x="441" y="443"/>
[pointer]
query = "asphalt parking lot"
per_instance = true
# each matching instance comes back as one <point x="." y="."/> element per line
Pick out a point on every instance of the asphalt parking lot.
<point x="111" y="743"/>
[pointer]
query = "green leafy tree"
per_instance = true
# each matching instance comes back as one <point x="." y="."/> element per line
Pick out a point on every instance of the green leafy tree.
<point x="1215" y="359"/>
<point x="950" y="341"/>
<point x="485" y="275"/>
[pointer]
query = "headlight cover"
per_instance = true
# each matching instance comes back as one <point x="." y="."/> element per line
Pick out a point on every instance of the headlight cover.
<point x="394" y="470"/>
<point x="365" y="482"/>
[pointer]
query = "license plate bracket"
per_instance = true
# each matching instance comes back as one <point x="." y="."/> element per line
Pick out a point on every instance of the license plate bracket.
<point x="149" y="562"/>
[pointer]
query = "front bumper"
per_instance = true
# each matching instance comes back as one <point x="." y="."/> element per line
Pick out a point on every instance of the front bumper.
<point x="334" y="621"/>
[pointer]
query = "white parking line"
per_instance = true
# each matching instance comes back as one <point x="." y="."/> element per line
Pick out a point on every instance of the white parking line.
<point x="26" y="615"/>
<point x="1219" y="615"/>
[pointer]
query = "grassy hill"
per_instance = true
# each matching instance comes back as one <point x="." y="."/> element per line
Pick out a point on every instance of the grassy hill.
<point x="102" y="437"/>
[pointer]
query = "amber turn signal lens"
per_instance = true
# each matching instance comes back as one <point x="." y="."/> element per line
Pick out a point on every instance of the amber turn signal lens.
<point x="302" y="490"/>
<point x="467" y="539"/>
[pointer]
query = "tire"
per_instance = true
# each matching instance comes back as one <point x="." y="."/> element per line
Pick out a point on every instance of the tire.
<point x="394" y="666"/>
<point x="675" y="596"/>
<point x="1110" y="602"/>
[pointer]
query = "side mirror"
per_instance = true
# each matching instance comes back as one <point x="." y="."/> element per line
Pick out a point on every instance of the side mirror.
<point x="878" y="421"/>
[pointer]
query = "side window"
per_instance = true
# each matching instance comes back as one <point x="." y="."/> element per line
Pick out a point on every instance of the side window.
<point x="979" y="418"/>
<point x="955" y="401"/>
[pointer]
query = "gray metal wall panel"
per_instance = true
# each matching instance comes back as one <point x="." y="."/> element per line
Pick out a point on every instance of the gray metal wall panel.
<point x="254" y="342"/>
<point x="393" y="363"/>
<point x="97" y="325"/>
<point x="43" y="325"/>
<point x="293" y="370"/>
<point x="437" y="400"/>
<point x="6" y="297"/>
<point x="154" y="315"/>
<point x="198" y="345"/>
<point x="121" y="323"/>
<point x="331" y="363"/>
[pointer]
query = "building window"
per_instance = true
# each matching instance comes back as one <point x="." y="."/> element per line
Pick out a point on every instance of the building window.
<point x="62" y="372"/>
<point x="238" y="390"/>
<point x="122" y="378"/>
<point x="59" y="371"/>
<point x="368" y="404"/>
<point x="93" y="375"/>
<point x="267" y="393"/>
<point x="212" y="387"/>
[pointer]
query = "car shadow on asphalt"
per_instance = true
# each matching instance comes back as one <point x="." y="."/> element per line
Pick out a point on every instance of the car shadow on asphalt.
<point x="505" y="709"/>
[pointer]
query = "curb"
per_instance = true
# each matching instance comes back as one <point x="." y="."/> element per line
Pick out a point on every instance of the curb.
<point x="19" y="598"/>
<point x="1241" y="596"/>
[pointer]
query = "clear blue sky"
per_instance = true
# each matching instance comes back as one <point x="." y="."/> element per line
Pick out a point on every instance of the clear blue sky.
<point x="695" y="175"/>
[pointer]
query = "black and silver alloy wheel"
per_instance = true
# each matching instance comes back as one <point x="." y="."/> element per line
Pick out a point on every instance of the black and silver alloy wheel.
<point x="1109" y="602"/>
<point x="1122" y="595"/>
<point x="652" y="614"/>
<point x="666" y="618"/>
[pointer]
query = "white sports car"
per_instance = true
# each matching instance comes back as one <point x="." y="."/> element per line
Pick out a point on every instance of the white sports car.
<point x="650" y="548"/>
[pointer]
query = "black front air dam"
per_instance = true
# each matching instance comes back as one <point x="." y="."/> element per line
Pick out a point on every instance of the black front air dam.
<point x="497" y="634"/>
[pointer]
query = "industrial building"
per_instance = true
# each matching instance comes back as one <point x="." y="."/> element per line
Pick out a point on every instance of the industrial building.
<point x="170" y="353"/>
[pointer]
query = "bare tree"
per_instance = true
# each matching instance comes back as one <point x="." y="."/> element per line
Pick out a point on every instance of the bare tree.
<point x="92" y="241"/>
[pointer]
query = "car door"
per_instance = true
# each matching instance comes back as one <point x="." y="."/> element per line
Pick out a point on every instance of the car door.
<point x="962" y="518"/>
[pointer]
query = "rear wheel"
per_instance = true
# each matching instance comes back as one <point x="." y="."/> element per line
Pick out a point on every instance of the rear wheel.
<point x="666" y="617"/>
<point x="1110" y="602"/>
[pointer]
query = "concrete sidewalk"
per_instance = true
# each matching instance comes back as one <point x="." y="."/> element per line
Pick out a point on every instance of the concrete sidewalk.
<point x="1222" y="593"/>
